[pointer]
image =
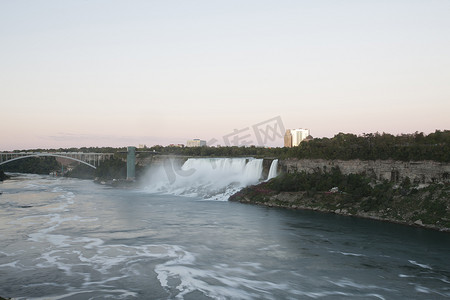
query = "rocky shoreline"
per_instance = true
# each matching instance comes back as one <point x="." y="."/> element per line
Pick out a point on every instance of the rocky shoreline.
<point x="427" y="207"/>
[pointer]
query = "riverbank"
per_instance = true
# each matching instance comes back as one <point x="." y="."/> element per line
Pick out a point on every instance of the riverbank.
<point x="415" y="205"/>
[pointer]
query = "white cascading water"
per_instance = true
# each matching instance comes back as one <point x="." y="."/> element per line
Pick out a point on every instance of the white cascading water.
<point x="208" y="178"/>
<point x="273" y="169"/>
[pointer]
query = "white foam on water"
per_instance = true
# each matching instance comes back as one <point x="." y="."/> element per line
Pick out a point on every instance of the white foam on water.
<point x="424" y="266"/>
<point x="344" y="283"/>
<point x="121" y="294"/>
<point x="316" y="295"/>
<point x="57" y="189"/>
<point x="348" y="253"/>
<point x="88" y="243"/>
<point x="51" y="260"/>
<point x="69" y="196"/>
<point x="426" y="290"/>
<point x="178" y="273"/>
<point x="375" y="296"/>
<point x="44" y="235"/>
<point x="207" y="178"/>
<point x="92" y="254"/>
<point x="7" y="254"/>
<point x="13" y="264"/>
<point x="422" y="289"/>
<point x="180" y="277"/>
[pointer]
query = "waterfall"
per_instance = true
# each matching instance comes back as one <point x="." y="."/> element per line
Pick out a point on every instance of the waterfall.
<point x="252" y="172"/>
<point x="207" y="178"/>
<point x="273" y="169"/>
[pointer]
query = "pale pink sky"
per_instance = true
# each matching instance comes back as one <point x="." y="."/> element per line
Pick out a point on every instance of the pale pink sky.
<point x="117" y="73"/>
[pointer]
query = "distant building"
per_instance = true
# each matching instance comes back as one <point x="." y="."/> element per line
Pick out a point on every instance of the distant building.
<point x="293" y="137"/>
<point x="195" y="143"/>
<point x="288" y="139"/>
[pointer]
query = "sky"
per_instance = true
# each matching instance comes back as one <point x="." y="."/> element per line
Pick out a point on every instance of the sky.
<point x="119" y="73"/>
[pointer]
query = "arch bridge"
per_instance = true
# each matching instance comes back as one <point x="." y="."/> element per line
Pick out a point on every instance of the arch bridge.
<point x="92" y="160"/>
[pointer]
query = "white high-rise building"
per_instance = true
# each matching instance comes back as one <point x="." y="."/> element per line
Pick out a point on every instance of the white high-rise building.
<point x="298" y="135"/>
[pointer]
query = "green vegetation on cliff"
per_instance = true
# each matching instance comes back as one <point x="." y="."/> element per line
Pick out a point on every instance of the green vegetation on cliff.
<point x="353" y="185"/>
<point x="357" y="195"/>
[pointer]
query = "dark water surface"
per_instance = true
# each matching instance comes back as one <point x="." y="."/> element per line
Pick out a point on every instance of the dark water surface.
<point x="73" y="239"/>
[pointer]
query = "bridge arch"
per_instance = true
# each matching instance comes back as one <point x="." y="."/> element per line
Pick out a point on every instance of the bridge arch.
<point x="47" y="154"/>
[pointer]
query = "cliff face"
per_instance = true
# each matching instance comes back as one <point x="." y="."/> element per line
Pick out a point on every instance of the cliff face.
<point x="394" y="171"/>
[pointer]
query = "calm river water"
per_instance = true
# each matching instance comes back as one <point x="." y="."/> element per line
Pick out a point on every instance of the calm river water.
<point x="73" y="239"/>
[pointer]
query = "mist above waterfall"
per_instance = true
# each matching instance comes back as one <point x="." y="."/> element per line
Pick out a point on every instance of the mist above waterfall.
<point x="207" y="178"/>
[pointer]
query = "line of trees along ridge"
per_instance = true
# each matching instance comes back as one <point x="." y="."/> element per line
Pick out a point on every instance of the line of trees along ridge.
<point x="405" y="147"/>
<point x="344" y="146"/>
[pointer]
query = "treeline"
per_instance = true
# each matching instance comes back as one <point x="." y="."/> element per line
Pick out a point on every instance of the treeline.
<point x="405" y="147"/>
<point x="232" y="151"/>
<point x="345" y="146"/>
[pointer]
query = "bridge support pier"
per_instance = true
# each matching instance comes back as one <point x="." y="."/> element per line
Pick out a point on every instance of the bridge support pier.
<point x="131" y="162"/>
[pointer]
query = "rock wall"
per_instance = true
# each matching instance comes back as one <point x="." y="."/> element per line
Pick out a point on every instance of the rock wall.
<point x="395" y="171"/>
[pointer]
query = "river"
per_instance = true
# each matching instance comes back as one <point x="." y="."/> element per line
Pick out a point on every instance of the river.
<point x="64" y="238"/>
